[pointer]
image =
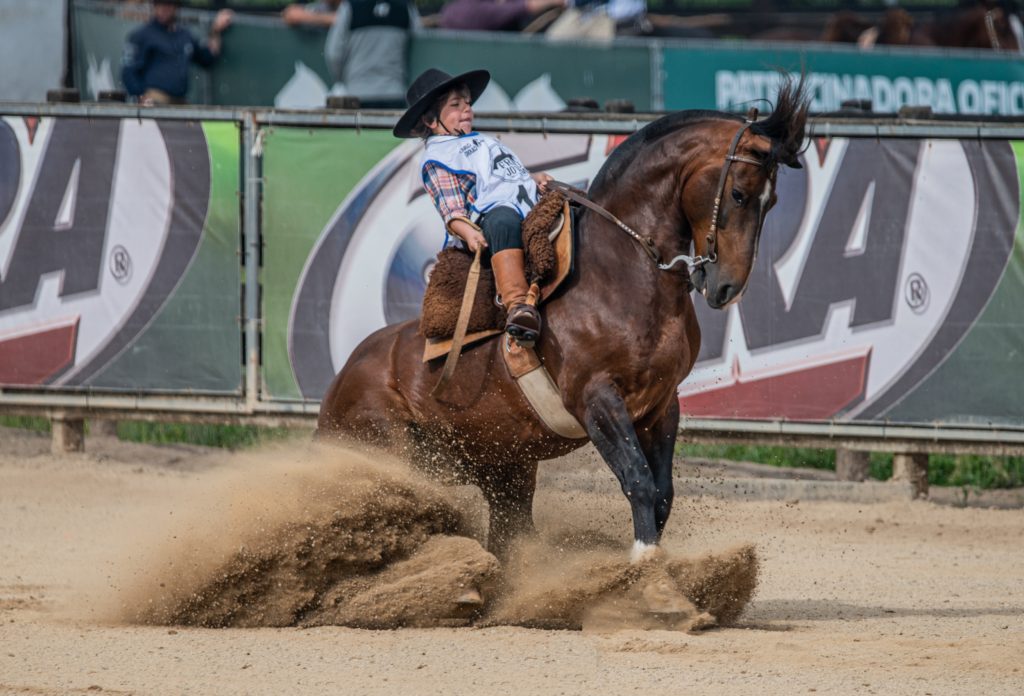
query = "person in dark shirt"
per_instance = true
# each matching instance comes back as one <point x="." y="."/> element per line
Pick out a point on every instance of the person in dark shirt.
<point x="157" y="55"/>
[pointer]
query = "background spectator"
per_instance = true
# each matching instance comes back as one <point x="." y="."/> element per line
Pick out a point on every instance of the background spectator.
<point x="311" y="14"/>
<point x="366" y="50"/>
<point x="157" y="55"/>
<point x="493" y="15"/>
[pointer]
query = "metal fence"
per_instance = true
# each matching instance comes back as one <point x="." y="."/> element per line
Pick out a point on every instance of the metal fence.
<point x="202" y="263"/>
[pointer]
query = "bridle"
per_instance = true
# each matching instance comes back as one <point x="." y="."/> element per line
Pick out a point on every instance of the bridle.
<point x="716" y="212"/>
<point x="646" y="243"/>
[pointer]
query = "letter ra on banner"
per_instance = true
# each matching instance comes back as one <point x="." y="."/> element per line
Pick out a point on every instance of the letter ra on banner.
<point x="64" y="225"/>
<point x="87" y="208"/>
<point x="872" y="267"/>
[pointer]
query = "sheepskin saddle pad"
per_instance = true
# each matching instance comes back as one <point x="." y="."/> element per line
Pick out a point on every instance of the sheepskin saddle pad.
<point x="443" y="298"/>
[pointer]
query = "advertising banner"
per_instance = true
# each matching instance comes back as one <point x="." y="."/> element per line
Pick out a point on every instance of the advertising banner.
<point x="311" y="180"/>
<point x="533" y="74"/>
<point x="887" y="288"/>
<point x="528" y="75"/>
<point x="119" y="255"/>
<point x="734" y="78"/>
<point x="350" y="238"/>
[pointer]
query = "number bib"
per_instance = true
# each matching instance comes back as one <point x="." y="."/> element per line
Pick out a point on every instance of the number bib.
<point x="501" y="179"/>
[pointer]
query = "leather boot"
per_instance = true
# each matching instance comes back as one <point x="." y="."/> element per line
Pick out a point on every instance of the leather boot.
<point x="523" y="322"/>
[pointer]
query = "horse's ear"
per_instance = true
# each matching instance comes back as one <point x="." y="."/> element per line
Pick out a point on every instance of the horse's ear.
<point x="794" y="163"/>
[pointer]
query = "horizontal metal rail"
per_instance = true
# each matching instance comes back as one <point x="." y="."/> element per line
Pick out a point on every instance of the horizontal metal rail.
<point x="907" y="438"/>
<point x="826" y="126"/>
<point x="884" y="437"/>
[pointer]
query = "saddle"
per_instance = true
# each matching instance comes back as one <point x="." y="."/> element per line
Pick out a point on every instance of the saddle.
<point x="548" y="240"/>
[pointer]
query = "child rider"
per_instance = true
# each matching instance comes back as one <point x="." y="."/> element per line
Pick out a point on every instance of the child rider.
<point x="479" y="187"/>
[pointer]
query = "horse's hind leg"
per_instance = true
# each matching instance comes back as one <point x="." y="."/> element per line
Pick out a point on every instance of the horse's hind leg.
<point x="375" y="415"/>
<point x="659" y="443"/>
<point x="509" y="492"/>
<point x="611" y="430"/>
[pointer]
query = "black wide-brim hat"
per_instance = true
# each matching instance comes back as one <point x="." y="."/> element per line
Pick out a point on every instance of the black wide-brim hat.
<point x="426" y="88"/>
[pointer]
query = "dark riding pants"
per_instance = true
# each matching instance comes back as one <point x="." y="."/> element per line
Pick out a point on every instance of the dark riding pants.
<point x="502" y="228"/>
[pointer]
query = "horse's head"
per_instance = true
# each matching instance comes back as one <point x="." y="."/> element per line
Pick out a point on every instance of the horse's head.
<point x="732" y="188"/>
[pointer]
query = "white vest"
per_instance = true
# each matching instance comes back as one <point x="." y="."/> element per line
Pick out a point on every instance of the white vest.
<point x="501" y="179"/>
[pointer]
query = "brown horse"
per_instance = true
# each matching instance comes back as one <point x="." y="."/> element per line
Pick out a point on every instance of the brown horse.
<point x="845" y="26"/>
<point x="618" y="338"/>
<point x="982" y="25"/>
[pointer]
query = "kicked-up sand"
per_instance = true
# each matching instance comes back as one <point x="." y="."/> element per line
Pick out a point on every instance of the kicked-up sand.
<point x="138" y="569"/>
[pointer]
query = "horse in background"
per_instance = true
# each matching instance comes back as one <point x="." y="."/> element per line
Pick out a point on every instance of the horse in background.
<point x="983" y="25"/>
<point x="894" y="29"/>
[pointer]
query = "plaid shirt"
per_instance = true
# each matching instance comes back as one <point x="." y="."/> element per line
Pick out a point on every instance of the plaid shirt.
<point x="453" y="194"/>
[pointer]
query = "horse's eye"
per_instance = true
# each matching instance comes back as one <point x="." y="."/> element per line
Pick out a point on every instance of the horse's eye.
<point x="738" y="196"/>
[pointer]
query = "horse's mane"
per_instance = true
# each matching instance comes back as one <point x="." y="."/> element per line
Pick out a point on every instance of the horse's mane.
<point x="784" y="127"/>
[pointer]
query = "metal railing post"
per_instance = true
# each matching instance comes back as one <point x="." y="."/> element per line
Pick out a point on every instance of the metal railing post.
<point x="251" y="195"/>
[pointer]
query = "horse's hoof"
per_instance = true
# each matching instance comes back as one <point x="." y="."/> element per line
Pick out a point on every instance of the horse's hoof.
<point x="470" y="598"/>
<point x="703" y="621"/>
<point x="664" y="599"/>
<point x="643" y="552"/>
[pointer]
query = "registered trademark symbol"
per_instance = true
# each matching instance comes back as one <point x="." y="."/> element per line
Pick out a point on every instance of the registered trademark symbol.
<point x="916" y="293"/>
<point x="120" y="264"/>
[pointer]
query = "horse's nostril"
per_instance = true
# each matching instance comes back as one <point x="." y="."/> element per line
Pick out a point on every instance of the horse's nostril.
<point x="723" y="295"/>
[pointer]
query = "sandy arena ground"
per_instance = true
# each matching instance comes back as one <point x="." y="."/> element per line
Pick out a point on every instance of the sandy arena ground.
<point x="891" y="598"/>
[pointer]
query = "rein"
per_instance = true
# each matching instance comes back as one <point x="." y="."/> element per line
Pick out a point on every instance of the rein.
<point x="646" y="243"/>
<point x="575" y="194"/>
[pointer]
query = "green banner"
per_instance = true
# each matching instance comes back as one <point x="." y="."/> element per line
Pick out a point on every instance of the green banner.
<point x="532" y="73"/>
<point x="734" y="77"/>
<point x="291" y="75"/>
<point x="890" y="274"/>
<point x="99" y="33"/>
<point x="575" y="69"/>
<point x="982" y="381"/>
<point x="246" y="74"/>
<point x="308" y="174"/>
<point x="120" y="255"/>
<point x="193" y="342"/>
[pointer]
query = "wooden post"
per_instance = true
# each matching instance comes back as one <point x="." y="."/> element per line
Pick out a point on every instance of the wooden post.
<point x="851" y="465"/>
<point x="912" y="468"/>
<point x="68" y="435"/>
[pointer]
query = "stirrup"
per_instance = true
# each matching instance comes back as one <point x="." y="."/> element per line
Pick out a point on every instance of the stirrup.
<point x="525" y="336"/>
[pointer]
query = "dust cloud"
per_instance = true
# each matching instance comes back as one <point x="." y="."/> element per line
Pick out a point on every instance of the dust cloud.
<point x="336" y="536"/>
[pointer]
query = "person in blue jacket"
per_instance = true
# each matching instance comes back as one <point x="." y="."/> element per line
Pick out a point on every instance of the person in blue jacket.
<point x="158" y="54"/>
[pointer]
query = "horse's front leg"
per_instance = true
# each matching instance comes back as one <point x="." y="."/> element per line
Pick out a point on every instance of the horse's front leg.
<point x="611" y="430"/>
<point x="658" y="441"/>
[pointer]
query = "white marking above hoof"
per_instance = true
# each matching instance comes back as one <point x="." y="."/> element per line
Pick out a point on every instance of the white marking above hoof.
<point x="643" y="552"/>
